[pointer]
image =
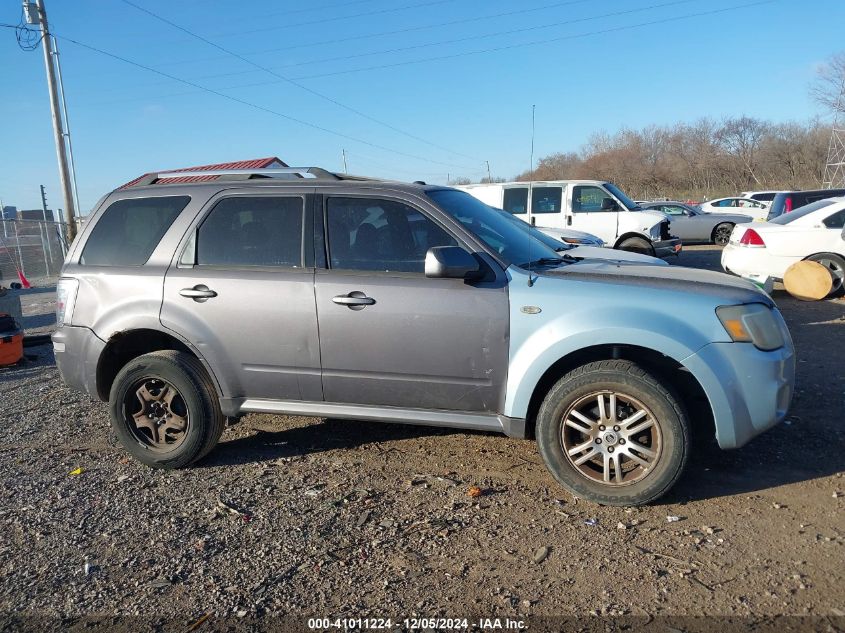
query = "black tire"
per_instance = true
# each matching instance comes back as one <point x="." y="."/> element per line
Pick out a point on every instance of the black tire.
<point x="197" y="399"/>
<point x="722" y="233"/>
<point x="624" y="379"/>
<point x="836" y="265"/>
<point x="636" y="245"/>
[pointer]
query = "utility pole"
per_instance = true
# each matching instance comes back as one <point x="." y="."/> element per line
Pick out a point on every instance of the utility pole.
<point x="61" y="149"/>
<point x="489" y="177"/>
<point x="345" y="169"/>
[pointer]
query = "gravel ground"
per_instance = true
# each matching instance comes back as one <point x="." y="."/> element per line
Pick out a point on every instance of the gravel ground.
<point x="305" y="517"/>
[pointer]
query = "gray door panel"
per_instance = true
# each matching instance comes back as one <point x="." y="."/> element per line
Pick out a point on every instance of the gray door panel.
<point x="424" y="343"/>
<point x="260" y="329"/>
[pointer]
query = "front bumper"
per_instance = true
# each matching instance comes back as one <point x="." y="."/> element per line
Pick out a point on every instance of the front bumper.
<point x="749" y="390"/>
<point x="665" y="248"/>
<point x="77" y="351"/>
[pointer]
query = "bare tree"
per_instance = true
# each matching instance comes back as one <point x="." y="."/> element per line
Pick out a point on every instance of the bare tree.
<point x="829" y="87"/>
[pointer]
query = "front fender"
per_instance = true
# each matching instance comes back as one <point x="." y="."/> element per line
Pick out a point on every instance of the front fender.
<point x="575" y="315"/>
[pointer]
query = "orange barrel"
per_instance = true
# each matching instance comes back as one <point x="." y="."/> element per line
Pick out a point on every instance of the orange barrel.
<point x="11" y="341"/>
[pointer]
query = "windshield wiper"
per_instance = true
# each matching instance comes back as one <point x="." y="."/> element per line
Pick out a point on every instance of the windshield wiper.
<point x="548" y="261"/>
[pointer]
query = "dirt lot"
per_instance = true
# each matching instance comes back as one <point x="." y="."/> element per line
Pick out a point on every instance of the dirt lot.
<point x="338" y="518"/>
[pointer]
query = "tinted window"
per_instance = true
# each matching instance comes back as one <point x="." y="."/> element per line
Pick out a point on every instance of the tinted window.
<point x="129" y="230"/>
<point x="763" y="197"/>
<point x="835" y="221"/>
<point x="260" y="231"/>
<point x="380" y="235"/>
<point x="588" y="199"/>
<point x="800" y="213"/>
<point x="545" y="199"/>
<point x="516" y="200"/>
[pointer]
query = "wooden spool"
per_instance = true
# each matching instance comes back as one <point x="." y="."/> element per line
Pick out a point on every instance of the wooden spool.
<point x="808" y="281"/>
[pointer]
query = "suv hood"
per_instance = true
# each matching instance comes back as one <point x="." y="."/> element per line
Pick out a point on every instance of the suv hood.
<point x="675" y="278"/>
<point x="613" y="255"/>
<point x="657" y="216"/>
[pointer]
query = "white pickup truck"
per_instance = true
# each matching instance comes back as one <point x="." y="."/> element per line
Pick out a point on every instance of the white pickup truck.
<point x="594" y="206"/>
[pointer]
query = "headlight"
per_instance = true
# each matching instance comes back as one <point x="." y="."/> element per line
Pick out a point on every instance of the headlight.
<point x="582" y="241"/>
<point x="65" y="299"/>
<point x="752" y="323"/>
<point x="654" y="233"/>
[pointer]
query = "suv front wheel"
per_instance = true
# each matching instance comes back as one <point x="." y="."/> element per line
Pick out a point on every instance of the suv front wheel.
<point x="611" y="433"/>
<point x="164" y="409"/>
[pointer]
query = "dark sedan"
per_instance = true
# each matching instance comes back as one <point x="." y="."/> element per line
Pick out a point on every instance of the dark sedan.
<point x="691" y="225"/>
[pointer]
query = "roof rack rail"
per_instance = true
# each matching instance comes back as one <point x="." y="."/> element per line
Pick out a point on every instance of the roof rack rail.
<point x="241" y="174"/>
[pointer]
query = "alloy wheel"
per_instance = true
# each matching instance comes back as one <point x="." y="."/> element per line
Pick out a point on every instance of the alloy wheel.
<point x="836" y="272"/>
<point x="723" y="234"/>
<point x="157" y="414"/>
<point x="611" y="438"/>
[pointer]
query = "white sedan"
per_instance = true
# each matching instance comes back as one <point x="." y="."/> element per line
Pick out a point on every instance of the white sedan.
<point x="766" y="249"/>
<point x="754" y="208"/>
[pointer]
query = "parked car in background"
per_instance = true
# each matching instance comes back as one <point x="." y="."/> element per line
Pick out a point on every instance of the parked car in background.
<point x="755" y="209"/>
<point x="595" y="206"/>
<point x="580" y="245"/>
<point x="767" y="249"/>
<point x="183" y="305"/>
<point x="789" y="201"/>
<point x="761" y="196"/>
<point x="693" y="225"/>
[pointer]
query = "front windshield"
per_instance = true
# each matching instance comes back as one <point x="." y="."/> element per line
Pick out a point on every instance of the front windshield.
<point x="800" y="212"/>
<point x="548" y="240"/>
<point x="514" y="243"/>
<point x="625" y="200"/>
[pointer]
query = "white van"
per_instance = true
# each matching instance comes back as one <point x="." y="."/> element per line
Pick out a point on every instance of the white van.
<point x="594" y="206"/>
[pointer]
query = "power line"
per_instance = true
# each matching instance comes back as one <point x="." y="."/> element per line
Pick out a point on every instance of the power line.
<point x="296" y="83"/>
<point x="253" y="105"/>
<point x="465" y="39"/>
<point x="336" y="18"/>
<point x="410" y="29"/>
<point x="524" y="44"/>
<point x="505" y="47"/>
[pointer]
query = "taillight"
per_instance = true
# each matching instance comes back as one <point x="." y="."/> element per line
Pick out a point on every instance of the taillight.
<point x="788" y="206"/>
<point x="66" y="291"/>
<point x="752" y="238"/>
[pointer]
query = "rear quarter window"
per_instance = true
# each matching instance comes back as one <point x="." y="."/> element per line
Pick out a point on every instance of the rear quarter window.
<point x="129" y="230"/>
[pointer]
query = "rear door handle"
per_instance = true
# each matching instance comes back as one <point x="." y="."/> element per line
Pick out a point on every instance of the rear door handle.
<point x="354" y="300"/>
<point x="198" y="293"/>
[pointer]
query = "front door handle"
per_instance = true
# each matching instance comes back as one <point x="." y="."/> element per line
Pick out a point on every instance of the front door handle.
<point x="355" y="300"/>
<point x="198" y="293"/>
<point x="568" y="220"/>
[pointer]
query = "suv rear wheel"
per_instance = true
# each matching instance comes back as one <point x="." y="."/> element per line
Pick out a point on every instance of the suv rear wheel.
<point x="611" y="433"/>
<point x="164" y="409"/>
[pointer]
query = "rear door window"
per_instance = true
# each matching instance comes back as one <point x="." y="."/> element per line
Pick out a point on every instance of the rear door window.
<point x="128" y="231"/>
<point x="252" y="231"/>
<point x="515" y="200"/>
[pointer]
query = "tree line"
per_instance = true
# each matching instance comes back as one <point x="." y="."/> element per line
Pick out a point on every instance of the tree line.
<point x="696" y="161"/>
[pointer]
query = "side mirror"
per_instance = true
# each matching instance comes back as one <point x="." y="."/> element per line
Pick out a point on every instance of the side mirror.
<point x="451" y="262"/>
<point x="609" y="204"/>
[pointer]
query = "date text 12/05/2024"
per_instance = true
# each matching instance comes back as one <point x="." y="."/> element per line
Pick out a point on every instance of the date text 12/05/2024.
<point x="363" y="624"/>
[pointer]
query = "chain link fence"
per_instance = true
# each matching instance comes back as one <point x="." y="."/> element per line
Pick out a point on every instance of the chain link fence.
<point x="34" y="248"/>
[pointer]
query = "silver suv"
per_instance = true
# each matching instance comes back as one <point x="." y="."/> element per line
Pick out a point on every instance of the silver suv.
<point x="300" y="291"/>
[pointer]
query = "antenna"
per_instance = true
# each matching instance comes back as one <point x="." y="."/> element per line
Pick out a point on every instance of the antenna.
<point x="529" y="206"/>
<point x="345" y="169"/>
